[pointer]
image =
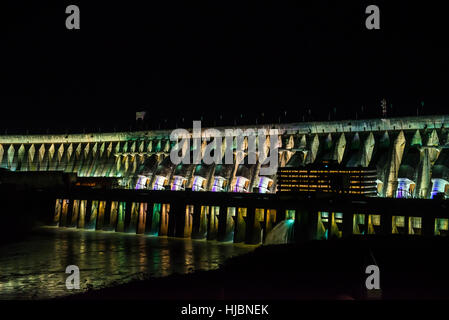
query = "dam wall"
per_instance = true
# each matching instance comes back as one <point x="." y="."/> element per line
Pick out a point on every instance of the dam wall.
<point x="410" y="155"/>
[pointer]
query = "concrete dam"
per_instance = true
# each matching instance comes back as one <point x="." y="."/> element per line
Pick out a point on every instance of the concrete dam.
<point x="409" y="154"/>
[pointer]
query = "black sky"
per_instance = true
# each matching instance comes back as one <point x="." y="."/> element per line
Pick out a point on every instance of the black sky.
<point x="209" y="58"/>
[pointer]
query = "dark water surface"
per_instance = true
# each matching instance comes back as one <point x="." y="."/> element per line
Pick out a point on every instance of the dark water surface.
<point x="35" y="268"/>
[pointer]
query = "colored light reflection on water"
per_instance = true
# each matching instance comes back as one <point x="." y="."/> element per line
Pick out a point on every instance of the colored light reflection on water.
<point x="35" y="268"/>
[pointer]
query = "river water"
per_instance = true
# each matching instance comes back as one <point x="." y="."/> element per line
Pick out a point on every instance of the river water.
<point x="35" y="268"/>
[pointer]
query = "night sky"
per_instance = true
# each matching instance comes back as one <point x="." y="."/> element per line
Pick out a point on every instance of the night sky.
<point x="232" y="61"/>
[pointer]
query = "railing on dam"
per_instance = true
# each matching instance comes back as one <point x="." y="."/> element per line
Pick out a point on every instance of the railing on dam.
<point x="247" y="218"/>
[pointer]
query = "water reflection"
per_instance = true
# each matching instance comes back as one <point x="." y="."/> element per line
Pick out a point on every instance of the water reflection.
<point x="35" y="268"/>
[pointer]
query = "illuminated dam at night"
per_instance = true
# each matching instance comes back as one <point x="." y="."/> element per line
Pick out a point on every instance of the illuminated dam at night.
<point x="409" y="154"/>
<point x="408" y="158"/>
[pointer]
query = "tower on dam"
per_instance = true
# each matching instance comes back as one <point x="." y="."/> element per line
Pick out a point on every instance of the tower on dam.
<point x="410" y="156"/>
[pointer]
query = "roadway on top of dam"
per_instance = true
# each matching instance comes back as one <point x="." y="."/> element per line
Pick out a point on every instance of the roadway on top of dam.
<point x="342" y="126"/>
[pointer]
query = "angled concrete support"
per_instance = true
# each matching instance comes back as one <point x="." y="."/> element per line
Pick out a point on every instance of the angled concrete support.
<point x="429" y="155"/>
<point x="396" y="154"/>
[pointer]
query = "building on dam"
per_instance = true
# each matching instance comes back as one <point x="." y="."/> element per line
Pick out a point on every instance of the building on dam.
<point x="404" y="157"/>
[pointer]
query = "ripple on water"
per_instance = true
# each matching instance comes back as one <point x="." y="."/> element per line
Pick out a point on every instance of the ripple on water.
<point x="35" y="268"/>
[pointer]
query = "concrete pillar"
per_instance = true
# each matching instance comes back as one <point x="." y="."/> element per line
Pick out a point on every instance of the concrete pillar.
<point x="70" y="213"/>
<point x="323" y="225"/>
<point x="253" y="227"/>
<point x="386" y="222"/>
<point x="348" y="224"/>
<point x="176" y="217"/>
<point x="367" y="151"/>
<point x="199" y="223"/>
<point x="75" y="213"/>
<point x="156" y="219"/>
<point x="132" y="227"/>
<point x="64" y="213"/>
<point x="269" y="222"/>
<point x="121" y="214"/>
<point x="82" y="215"/>
<point x="188" y="221"/>
<point x="280" y="214"/>
<point x="100" y="215"/>
<point x="142" y="217"/>
<point x="57" y="214"/>
<point x="163" y="230"/>
<point x="240" y="225"/>
<point x="127" y="217"/>
<point x="113" y="216"/>
<point x="179" y="213"/>
<point x="396" y="154"/>
<point x="212" y="227"/>
<point x="88" y="215"/>
<point x="428" y="226"/>
<point x="339" y="149"/>
<point x="107" y="216"/>
<point x="149" y="218"/>
<point x="226" y="224"/>
<point x="305" y="225"/>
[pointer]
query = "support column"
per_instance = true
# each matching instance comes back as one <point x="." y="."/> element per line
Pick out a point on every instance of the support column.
<point x="156" y="219"/>
<point x="270" y="221"/>
<point x="82" y="214"/>
<point x="75" y="213"/>
<point x="127" y="217"/>
<point x="142" y="217"/>
<point x="305" y="225"/>
<point x="199" y="224"/>
<point x="240" y="225"/>
<point x="149" y="218"/>
<point x="107" y="216"/>
<point x="253" y="227"/>
<point x="69" y="213"/>
<point x="121" y="214"/>
<point x="88" y="214"/>
<point x="58" y="209"/>
<point x="179" y="213"/>
<point x="212" y="226"/>
<point x="280" y="214"/>
<point x="386" y="222"/>
<point x="100" y="215"/>
<point x="348" y="224"/>
<point x="396" y="154"/>
<point x="225" y="224"/>
<point x="428" y="226"/>
<point x="163" y="231"/>
<point x="64" y="212"/>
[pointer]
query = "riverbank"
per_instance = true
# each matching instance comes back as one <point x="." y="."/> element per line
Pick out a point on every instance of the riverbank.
<point x="410" y="268"/>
